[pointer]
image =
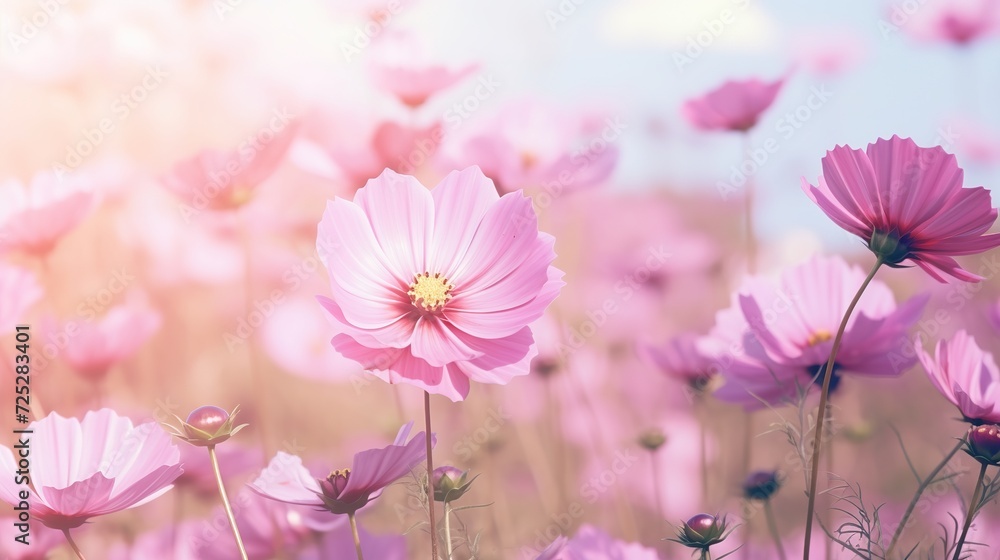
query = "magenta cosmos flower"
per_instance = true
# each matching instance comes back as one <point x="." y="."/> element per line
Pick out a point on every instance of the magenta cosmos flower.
<point x="908" y="204"/>
<point x="788" y="325"/>
<point x="437" y="288"/>
<point x="82" y="469"/>
<point x="346" y="490"/>
<point x="959" y="22"/>
<point x="966" y="375"/>
<point x="735" y="105"/>
<point x="34" y="217"/>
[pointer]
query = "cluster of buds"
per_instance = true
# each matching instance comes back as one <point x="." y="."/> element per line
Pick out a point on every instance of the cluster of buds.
<point x="983" y="444"/>
<point x="207" y="426"/>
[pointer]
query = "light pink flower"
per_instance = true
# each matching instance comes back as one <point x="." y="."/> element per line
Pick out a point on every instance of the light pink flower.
<point x="34" y="217"/>
<point x="19" y="290"/>
<point x="681" y="359"/>
<point x="790" y="325"/>
<point x="41" y="541"/>
<point x="735" y="105"/>
<point x="437" y="288"/>
<point x="590" y="543"/>
<point x="225" y="179"/>
<point x="97" y="466"/>
<point x="532" y="144"/>
<point x="908" y="204"/>
<point x="347" y="490"/>
<point x="966" y="375"/>
<point x="268" y="527"/>
<point x="101" y="343"/>
<point x="401" y="67"/>
<point x="957" y="21"/>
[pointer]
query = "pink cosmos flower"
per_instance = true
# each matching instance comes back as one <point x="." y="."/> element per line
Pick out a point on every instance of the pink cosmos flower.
<point x="97" y="466"/>
<point x="34" y="217"/>
<point x="100" y="344"/>
<point x="789" y="325"/>
<point x="735" y="105"/>
<point x="268" y="528"/>
<point x="966" y="375"/>
<point x="590" y="543"/>
<point x="400" y="67"/>
<point x="19" y="290"/>
<point x="531" y="144"/>
<point x="437" y="288"/>
<point x="225" y="179"/>
<point x="41" y="541"/>
<point x="907" y="203"/>
<point x="680" y="358"/>
<point x="347" y="490"/>
<point x="959" y="21"/>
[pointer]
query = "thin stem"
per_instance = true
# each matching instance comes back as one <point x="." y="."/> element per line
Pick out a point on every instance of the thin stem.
<point x="749" y="196"/>
<point x="703" y="452"/>
<point x="357" y="537"/>
<point x="705" y="554"/>
<point x="916" y="497"/>
<point x="430" y="471"/>
<point x="72" y="544"/>
<point x="823" y="398"/>
<point x="225" y="502"/>
<point x="973" y="503"/>
<point x="772" y="526"/>
<point x="447" y="528"/>
<point x="657" y="487"/>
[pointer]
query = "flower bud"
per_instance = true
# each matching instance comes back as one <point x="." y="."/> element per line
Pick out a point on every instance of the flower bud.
<point x="702" y="531"/>
<point x="449" y="483"/>
<point x="207" y="426"/>
<point x="983" y="444"/>
<point x="652" y="439"/>
<point x="761" y="485"/>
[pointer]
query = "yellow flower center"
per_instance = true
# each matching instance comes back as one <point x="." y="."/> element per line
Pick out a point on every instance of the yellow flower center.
<point x="819" y="337"/>
<point x="430" y="291"/>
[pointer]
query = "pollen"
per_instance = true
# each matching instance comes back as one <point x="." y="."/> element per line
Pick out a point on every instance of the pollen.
<point x="819" y="337"/>
<point x="430" y="291"/>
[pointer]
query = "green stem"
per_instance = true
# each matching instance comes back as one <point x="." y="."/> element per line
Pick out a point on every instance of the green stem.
<point x="916" y="497"/>
<point x="972" y="512"/>
<point x="430" y="471"/>
<point x="447" y="528"/>
<point x="357" y="537"/>
<point x="772" y="526"/>
<point x="225" y="502"/>
<point x="72" y="544"/>
<point x="823" y="398"/>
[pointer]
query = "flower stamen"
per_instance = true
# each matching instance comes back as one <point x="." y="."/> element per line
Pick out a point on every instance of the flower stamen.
<point x="429" y="291"/>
